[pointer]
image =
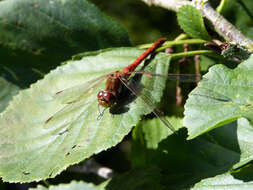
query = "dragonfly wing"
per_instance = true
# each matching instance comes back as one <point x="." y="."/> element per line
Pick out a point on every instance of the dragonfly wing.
<point x="175" y="77"/>
<point x="147" y="102"/>
<point x="75" y="93"/>
<point x="73" y="99"/>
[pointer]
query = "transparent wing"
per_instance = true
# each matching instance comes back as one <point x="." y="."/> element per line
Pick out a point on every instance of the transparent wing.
<point x="174" y="77"/>
<point x="74" y="98"/>
<point x="149" y="103"/>
<point x="74" y="93"/>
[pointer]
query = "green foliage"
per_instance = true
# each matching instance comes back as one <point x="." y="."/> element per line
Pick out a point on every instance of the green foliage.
<point x="39" y="34"/>
<point x="154" y="131"/>
<point x="149" y="21"/>
<point x="149" y="179"/>
<point x="8" y="90"/>
<point x="74" y="132"/>
<point x="146" y="138"/>
<point x="191" y="21"/>
<point x="237" y="15"/>
<point x="184" y="162"/>
<point x="73" y="185"/>
<point x="224" y="96"/>
<point x="206" y="63"/>
<point x="56" y="122"/>
<point x="222" y="182"/>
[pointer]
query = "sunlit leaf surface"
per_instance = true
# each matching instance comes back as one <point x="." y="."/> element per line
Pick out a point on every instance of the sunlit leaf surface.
<point x="41" y="135"/>
<point x="223" y="182"/>
<point x="223" y="97"/>
<point x="191" y="21"/>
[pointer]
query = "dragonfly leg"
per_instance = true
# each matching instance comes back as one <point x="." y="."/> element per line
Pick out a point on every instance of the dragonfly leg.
<point x="100" y="115"/>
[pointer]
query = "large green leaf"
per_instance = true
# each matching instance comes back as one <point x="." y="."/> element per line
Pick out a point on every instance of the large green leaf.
<point x="183" y="163"/>
<point x="155" y="131"/>
<point x="146" y="138"/>
<point x="31" y="149"/>
<point x="191" y="21"/>
<point x="224" y="96"/>
<point x="223" y="182"/>
<point x="42" y="33"/>
<point x="206" y="63"/>
<point x="8" y="90"/>
<point x="74" y="185"/>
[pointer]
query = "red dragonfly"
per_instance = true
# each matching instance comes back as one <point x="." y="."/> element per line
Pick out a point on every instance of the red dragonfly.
<point x="118" y="80"/>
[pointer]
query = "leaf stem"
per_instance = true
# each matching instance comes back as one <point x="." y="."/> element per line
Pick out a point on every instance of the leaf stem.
<point x="38" y="72"/>
<point x="191" y="53"/>
<point x="221" y="6"/>
<point x="169" y="44"/>
<point x="181" y="37"/>
<point x="13" y="75"/>
<point x="174" y="42"/>
<point x="47" y="184"/>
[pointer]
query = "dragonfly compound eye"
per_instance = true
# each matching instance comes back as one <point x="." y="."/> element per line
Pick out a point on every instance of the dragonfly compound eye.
<point x="105" y="98"/>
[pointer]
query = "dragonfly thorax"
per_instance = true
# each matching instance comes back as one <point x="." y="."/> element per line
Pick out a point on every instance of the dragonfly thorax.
<point x="106" y="98"/>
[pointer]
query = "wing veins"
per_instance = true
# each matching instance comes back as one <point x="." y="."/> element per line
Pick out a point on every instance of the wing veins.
<point x="95" y="82"/>
<point x="149" y="103"/>
<point x="175" y="77"/>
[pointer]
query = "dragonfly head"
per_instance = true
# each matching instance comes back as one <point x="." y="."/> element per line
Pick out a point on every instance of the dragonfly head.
<point x="106" y="98"/>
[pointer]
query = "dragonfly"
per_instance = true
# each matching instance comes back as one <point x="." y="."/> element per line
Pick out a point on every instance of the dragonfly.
<point x="118" y="80"/>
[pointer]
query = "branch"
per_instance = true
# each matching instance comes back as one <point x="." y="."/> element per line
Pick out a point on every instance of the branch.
<point x="225" y="28"/>
<point x="172" y="5"/>
<point x="221" y="25"/>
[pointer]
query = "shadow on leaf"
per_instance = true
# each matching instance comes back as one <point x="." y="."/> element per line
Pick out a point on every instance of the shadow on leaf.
<point x="183" y="162"/>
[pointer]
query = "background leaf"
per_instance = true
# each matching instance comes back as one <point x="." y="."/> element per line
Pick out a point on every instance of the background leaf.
<point x="149" y="179"/>
<point x="206" y="63"/>
<point x="39" y="34"/>
<point x="223" y="182"/>
<point x="185" y="162"/>
<point x="73" y="185"/>
<point x="141" y="30"/>
<point x="133" y="180"/>
<point x="236" y="14"/>
<point x="223" y="97"/>
<point x="190" y="20"/>
<point x="8" y="90"/>
<point x="146" y="138"/>
<point x="45" y="149"/>
<point x="155" y="131"/>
